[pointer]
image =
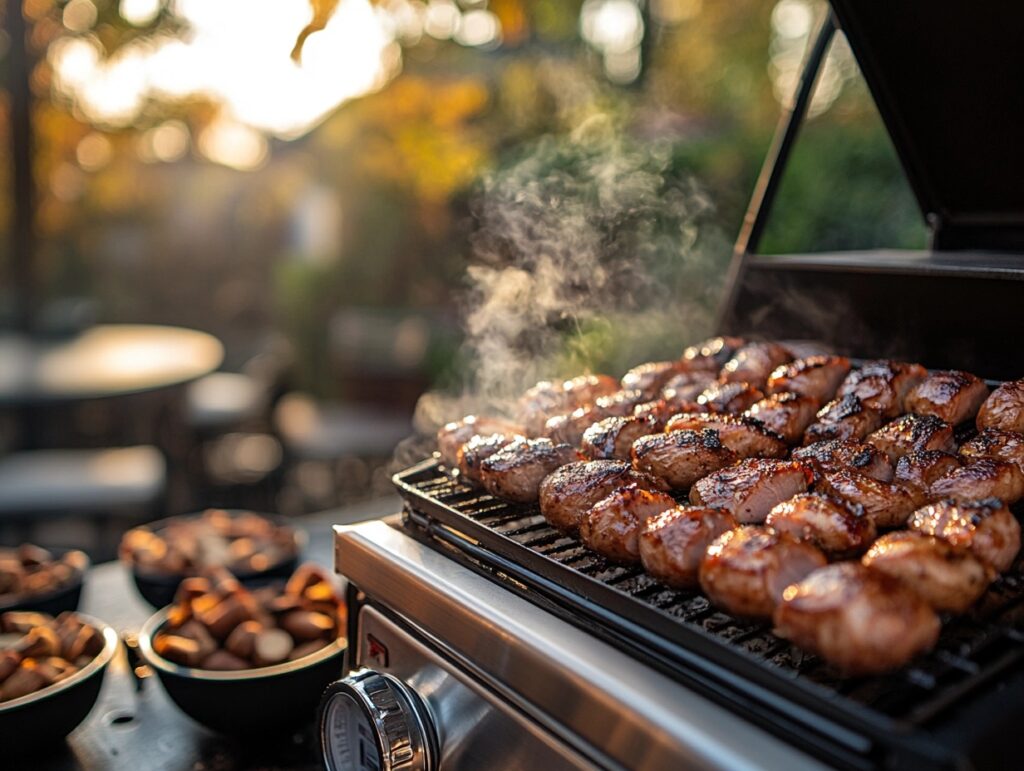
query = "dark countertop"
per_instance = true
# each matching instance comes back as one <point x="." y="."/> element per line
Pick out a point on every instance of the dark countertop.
<point x="142" y="729"/>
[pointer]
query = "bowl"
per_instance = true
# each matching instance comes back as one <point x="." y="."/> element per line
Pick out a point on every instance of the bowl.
<point x="53" y="602"/>
<point x="158" y="589"/>
<point x="43" y="718"/>
<point x="266" y="700"/>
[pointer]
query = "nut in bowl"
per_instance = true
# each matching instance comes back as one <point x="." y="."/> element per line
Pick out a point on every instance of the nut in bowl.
<point x="43" y="580"/>
<point x="254" y="547"/>
<point x="51" y="671"/>
<point x="242" y="661"/>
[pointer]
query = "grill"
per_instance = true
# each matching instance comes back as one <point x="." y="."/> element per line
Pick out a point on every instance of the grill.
<point x="856" y="722"/>
<point x="952" y="306"/>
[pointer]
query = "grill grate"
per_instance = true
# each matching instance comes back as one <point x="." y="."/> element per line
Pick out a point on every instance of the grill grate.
<point x="971" y="651"/>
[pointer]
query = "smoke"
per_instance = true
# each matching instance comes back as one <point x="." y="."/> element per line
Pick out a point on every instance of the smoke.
<point x="591" y="253"/>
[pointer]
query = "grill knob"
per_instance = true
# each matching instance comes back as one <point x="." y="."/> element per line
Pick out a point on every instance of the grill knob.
<point x="371" y="721"/>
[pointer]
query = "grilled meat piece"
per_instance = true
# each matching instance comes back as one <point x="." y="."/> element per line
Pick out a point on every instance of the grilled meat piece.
<point x="712" y="353"/>
<point x="612" y="438"/>
<point x="985" y="527"/>
<point x="949" y="579"/>
<point x="886" y="503"/>
<point x="843" y="418"/>
<point x="919" y="470"/>
<point x="996" y="444"/>
<point x="952" y="395"/>
<point x="1004" y="408"/>
<point x="753" y="363"/>
<point x="913" y="432"/>
<point x="982" y="479"/>
<point x="787" y="414"/>
<point x="516" y="470"/>
<point x="586" y="389"/>
<point x="680" y="458"/>
<point x="673" y="543"/>
<point x="660" y="411"/>
<point x="651" y="377"/>
<point x="845" y="453"/>
<point x="540" y="402"/>
<point x="815" y="376"/>
<point x="883" y="385"/>
<point x="839" y="528"/>
<point x="612" y="525"/>
<point x="728" y="397"/>
<point x="744" y="436"/>
<point x="684" y="388"/>
<point x="571" y="427"/>
<point x="453" y="435"/>
<point x="860" y="620"/>
<point x="477" y="450"/>
<point x="752" y="487"/>
<point x="568" y="493"/>
<point x="746" y="570"/>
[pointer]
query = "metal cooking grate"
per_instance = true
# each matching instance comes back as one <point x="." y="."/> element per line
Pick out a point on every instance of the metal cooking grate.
<point x="972" y="648"/>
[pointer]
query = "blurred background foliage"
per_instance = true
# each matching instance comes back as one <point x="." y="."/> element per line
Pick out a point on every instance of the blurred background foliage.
<point x="333" y="200"/>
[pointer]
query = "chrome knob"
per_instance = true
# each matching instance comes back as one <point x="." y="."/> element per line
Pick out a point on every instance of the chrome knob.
<point x="371" y="721"/>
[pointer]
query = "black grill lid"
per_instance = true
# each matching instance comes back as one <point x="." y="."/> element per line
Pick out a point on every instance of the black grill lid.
<point x="946" y="77"/>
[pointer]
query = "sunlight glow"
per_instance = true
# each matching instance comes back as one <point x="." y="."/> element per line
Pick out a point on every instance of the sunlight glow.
<point x="233" y="144"/>
<point x="139" y="13"/>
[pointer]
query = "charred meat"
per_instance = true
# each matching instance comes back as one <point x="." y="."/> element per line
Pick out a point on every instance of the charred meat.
<point x="746" y="437"/>
<point x="787" y="414"/>
<point x="753" y="363"/>
<point x="913" y="432"/>
<point x="651" y="377"/>
<point x="728" y="397"/>
<point x="612" y="525"/>
<point x="886" y="503"/>
<point x="452" y="436"/>
<point x="949" y="579"/>
<point x="516" y="470"/>
<point x="883" y="385"/>
<point x="1004" y="408"/>
<point x="814" y="376"/>
<point x="746" y="570"/>
<point x="985" y="527"/>
<point x="860" y="620"/>
<point x="982" y="479"/>
<point x="995" y="444"/>
<point x="680" y="458"/>
<point x="845" y="453"/>
<point x="752" y="487"/>
<point x="920" y="470"/>
<point x="844" y="418"/>
<point x="568" y="493"/>
<point x="837" y="527"/>
<point x="612" y="438"/>
<point x="476" y="451"/>
<point x="673" y="543"/>
<point x="952" y="395"/>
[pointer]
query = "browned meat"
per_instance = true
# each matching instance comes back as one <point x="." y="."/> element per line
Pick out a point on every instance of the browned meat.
<point x="919" y="470"/>
<point x="883" y="385"/>
<point x="586" y="389"/>
<point x="753" y="363"/>
<point x="996" y="444"/>
<point x="612" y="438"/>
<point x="746" y="437"/>
<point x="476" y="451"/>
<point x="1004" y="408"/>
<point x="660" y="411"/>
<point x="728" y="397"/>
<point x="684" y="388"/>
<point x="672" y="544"/>
<point x="845" y="453"/>
<point x="815" y="376"/>
<point x="746" y="570"/>
<point x="569" y="492"/>
<point x="952" y="395"/>
<point x="913" y="432"/>
<point x="612" y="525"/>
<point x="787" y="414"/>
<point x="516" y="470"/>
<point x="651" y="377"/>
<point x="680" y="458"/>
<point x="861" y="621"/>
<point x="982" y="479"/>
<point x="452" y="436"/>
<point x="947" y="578"/>
<point x="752" y="487"/>
<point x="540" y="402"/>
<point x="839" y="528"/>
<point x="886" y="503"/>
<point x="843" y="418"/>
<point x="985" y="527"/>
<point x="712" y="353"/>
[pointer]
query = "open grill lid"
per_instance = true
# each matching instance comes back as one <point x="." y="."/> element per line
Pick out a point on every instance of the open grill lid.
<point x="945" y="77"/>
<point x="942" y="76"/>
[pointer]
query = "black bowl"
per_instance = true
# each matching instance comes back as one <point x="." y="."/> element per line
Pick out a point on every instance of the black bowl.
<point x="53" y="603"/>
<point x="267" y="700"/>
<point x="158" y="589"/>
<point x="40" y="720"/>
